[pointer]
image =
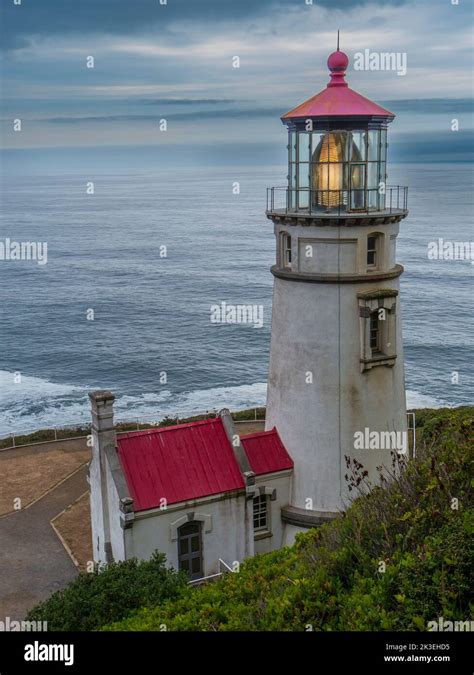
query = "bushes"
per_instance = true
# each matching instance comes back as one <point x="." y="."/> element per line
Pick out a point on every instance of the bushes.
<point x="397" y="559"/>
<point x="96" y="598"/>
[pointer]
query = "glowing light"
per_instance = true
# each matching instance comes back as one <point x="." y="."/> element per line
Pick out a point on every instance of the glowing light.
<point x="330" y="175"/>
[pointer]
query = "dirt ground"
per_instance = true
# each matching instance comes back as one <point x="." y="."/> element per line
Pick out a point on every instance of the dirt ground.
<point x="74" y="526"/>
<point x="27" y="473"/>
<point x="244" y="428"/>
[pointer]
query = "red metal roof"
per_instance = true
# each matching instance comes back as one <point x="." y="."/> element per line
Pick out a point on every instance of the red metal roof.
<point x="266" y="452"/>
<point x="337" y="99"/>
<point x="182" y="462"/>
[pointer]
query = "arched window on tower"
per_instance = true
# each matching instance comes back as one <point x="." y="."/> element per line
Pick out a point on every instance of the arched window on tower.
<point x="374" y="250"/>
<point x="285" y="250"/>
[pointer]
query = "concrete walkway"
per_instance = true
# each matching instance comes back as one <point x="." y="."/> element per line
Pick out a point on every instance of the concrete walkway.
<point x="33" y="562"/>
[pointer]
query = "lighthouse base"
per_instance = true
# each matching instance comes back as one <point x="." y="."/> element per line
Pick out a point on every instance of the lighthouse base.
<point x="298" y="520"/>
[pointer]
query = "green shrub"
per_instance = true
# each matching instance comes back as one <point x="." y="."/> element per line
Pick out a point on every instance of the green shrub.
<point x="96" y="598"/>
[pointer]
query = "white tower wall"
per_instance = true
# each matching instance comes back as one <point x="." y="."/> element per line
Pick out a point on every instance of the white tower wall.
<point x="320" y="330"/>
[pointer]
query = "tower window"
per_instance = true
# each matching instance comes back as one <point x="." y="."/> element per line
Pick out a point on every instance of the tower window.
<point x="378" y="330"/>
<point x="375" y="332"/>
<point x="372" y="251"/>
<point x="260" y="513"/>
<point x="286" y="250"/>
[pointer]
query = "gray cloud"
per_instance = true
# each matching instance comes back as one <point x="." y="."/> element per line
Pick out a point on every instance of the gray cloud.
<point x="431" y="105"/>
<point x="188" y="101"/>
<point x="173" y="61"/>
<point x="427" y="106"/>
<point x="197" y="115"/>
<point x="47" y="18"/>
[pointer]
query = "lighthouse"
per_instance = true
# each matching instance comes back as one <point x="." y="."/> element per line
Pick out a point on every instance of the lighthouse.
<point x="336" y="372"/>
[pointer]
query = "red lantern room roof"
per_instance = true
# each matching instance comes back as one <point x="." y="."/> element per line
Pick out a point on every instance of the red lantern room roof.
<point x="338" y="99"/>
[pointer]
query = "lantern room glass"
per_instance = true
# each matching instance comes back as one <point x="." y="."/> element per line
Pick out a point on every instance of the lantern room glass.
<point x="342" y="169"/>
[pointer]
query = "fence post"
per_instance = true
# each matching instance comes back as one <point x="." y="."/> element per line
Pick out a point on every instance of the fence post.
<point x="55" y="433"/>
<point x="13" y="440"/>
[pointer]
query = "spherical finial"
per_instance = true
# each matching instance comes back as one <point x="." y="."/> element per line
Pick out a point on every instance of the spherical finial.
<point x="338" y="61"/>
<point x="337" y="64"/>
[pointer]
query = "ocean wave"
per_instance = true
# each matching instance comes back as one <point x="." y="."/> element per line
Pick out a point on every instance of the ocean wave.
<point x="416" y="399"/>
<point x="35" y="403"/>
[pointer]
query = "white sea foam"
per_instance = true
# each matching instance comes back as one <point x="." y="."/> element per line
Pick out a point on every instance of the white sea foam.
<point x="38" y="403"/>
<point x="416" y="399"/>
<point x="32" y="403"/>
<point x="29" y="388"/>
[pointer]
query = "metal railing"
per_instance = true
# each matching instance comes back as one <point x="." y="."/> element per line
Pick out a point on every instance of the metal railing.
<point x="287" y="200"/>
<point x="223" y="568"/>
<point x="411" y="426"/>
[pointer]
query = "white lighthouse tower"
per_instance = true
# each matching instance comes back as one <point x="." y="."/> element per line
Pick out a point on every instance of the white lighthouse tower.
<point x="336" y="359"/>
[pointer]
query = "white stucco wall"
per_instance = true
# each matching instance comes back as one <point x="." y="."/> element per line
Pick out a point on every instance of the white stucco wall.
<point x="281" y="483"/>
<point x="316" y="254"/>
<point x="97" y="522"/>
<point x="316" y="328"/>
<point x="227" y="530"/>
<point x="115" y="528"/>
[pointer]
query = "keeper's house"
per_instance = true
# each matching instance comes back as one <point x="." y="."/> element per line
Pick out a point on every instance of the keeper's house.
<point x="197" y="492"/>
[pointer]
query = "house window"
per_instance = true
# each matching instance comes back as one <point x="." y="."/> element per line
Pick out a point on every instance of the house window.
<point x="260" y="513"/>
<point x="372" y="251"/>
<point x="375" y="332"/>
<point x="190" y="549"/>
<point x="286" y="250"/>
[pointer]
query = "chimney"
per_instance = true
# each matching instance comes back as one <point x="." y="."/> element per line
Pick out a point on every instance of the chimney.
<point x="102" y="403"/>
<point x="103" y="438"/>
<point x="239" y="452"/>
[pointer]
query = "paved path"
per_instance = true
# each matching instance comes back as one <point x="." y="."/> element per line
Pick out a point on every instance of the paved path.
<point x="33" y="562"/>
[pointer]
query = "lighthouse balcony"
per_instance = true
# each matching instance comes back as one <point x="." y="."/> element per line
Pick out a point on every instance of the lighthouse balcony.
<point x="355" y="204"/>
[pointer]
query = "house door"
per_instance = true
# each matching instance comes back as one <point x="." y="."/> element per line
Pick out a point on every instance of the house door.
<point x="190" y="549"/>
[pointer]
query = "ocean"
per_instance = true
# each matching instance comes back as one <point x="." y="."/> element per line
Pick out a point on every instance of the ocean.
<point x="151" y="314"/>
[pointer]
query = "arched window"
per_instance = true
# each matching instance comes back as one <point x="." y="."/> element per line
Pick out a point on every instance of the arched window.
<point x="374" y="250"/>
<point x="190" y="549"/>
<point x="285" y="250"/>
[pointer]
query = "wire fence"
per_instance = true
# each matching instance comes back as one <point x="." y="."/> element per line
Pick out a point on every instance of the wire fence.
<point x="80" y="429"/>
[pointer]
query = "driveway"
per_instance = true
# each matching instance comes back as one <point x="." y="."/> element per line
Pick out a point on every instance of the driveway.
<point x="33" y="562"/>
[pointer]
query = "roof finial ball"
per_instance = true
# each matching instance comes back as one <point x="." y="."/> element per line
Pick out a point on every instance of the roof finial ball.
<point x="337" y="64"/>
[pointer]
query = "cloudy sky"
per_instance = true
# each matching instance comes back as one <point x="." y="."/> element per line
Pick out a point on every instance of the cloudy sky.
<point x="176" y="61"/>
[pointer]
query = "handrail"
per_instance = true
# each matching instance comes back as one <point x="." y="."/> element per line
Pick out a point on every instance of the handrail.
<point x="201" y="580"/>
<point x="351" y="200"/>
<point x="412" y="428"/>
<point x="220" y="563"/>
